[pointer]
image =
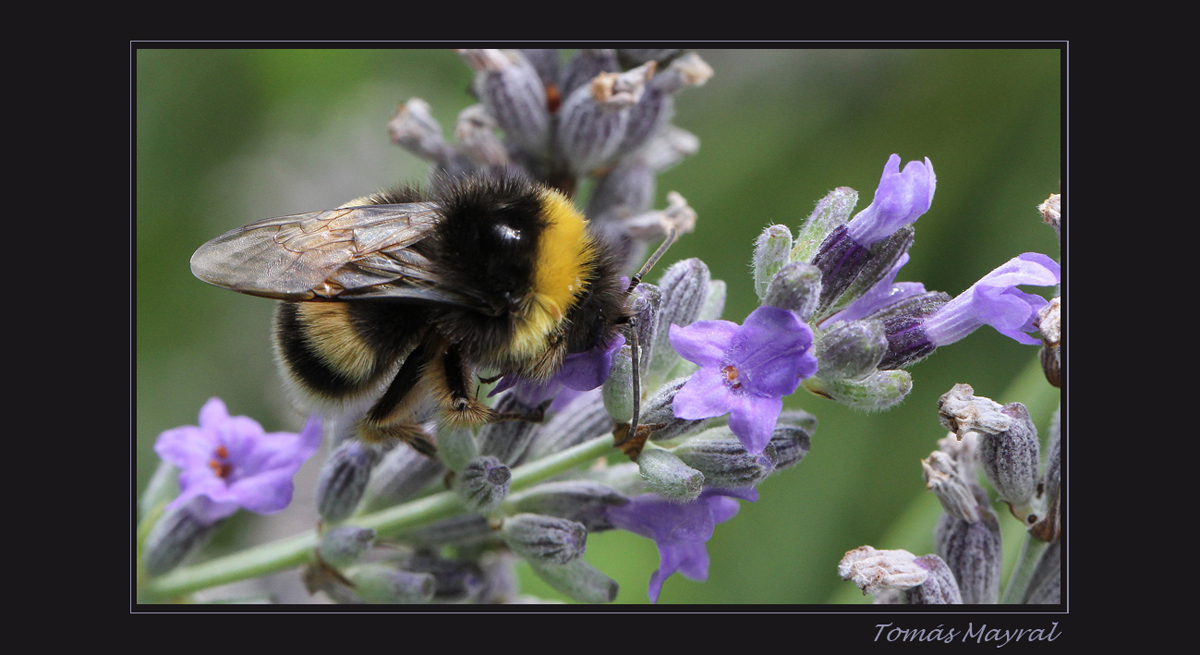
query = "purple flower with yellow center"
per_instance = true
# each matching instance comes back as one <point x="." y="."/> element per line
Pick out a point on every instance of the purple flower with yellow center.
<point x="745" y="371"/>
<point x="994" y="300"/>
<point x="680" y="530"/>
<point x="229" y="462"/>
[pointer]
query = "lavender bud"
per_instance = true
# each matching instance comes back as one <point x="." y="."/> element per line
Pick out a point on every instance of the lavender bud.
<point x="177" y="534"/>
<point x="544" y="61"/>
<point x="401" y="475"/>
<point x="594" y="118"/>
<point x="972" y="547"/>
<point x="850" y="349"/>
<point x="508" y="441"/>
<point x="791" y="444"/>
<point x="668" y="476"/>
<point x="657" y="104"/>
<point x="344" y="478"/>
<point x="483" y="483"/>
<point x="583" y="501"/>
<point x="459" y="530"/>
<point x="771" y="252"/>
<point x="584" y="66"/>
<point x="476" y="134"/>
<point x="578" y="580"/>
<point x="511" y="89"/>
<point x="343" y="545"/>
<point x="415" y="129"/>
<point x="939" y="587"/>
<point x="721" y="457"/>
<point x="1050" y="527"/>
<point x="1010" y="461"/>
<point x="585" y="418"/>
<point x="456" y="447"/>
<point x="953" y="491"/>
<point x="544" y="538"/>
<point x="617" y="390"/>
<point x="796" y="287"/>
<point x="872" y="393"/>
<point x="380" y="583"/>
<point x="685" y="288"/>
<point x="831" y="212"/>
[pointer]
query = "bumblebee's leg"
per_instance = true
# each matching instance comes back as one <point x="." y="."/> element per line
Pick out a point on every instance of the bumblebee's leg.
<point x="392" y="416"/>
<point x="457" y="393"/>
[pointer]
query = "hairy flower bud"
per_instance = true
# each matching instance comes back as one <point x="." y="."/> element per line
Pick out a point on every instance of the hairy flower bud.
<point x="344" y="478"/>
<point x="544" y="538"/>
<point x="483" y="483"/>
<point x="668" y="476"/>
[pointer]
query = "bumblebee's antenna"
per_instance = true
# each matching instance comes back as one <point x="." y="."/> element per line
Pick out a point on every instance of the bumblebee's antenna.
<point x="662" y="249"/>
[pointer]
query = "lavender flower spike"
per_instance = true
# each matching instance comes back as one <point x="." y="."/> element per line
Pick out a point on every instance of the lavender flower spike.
<point x="994" y="300"/>
<point x="745" y="370"/>
<point x="229" y="462"/>
<point x="900" y="199"/>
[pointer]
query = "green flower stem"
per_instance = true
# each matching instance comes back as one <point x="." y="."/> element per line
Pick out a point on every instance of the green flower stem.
<point x="295" y="551"/>
<point x="1031" y="551"/>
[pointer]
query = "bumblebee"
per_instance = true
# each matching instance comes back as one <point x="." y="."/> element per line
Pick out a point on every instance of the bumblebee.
<point x="402" y="297"/>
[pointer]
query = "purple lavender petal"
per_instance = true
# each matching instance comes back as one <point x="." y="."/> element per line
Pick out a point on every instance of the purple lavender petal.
<point x="900" y="199"/>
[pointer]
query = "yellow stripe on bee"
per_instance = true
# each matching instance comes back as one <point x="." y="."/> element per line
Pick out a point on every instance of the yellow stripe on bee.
<point x="331" y="334"/>
<point x="563" y="254"/>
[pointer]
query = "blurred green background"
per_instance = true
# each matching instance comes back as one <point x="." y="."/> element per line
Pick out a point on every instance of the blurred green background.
<point x="225" y="137"/>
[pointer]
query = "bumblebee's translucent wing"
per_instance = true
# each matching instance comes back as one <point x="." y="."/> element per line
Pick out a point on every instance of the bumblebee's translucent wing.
<point x="351" y="251"/>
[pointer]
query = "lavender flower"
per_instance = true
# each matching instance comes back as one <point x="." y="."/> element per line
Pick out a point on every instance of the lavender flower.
<point x="229" y="462"/>
<point x="994" y="300"/>
<point x="745" y="371"/>
<point x="900" y="200"/>
<point x="680" y="530"/>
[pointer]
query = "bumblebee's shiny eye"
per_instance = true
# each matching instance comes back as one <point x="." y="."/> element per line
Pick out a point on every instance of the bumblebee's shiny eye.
<point x="507" y="232"/>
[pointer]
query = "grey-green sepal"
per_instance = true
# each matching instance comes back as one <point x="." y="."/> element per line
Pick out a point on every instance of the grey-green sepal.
<point x="178" y="533"/>
<point x="939" y="587"/>
<point x="617" y="390"/>
<point x="1045" y="585"/>
<point x="772" y="250"/>
<point x="724" y="461"/>
<point x="578" y="580"/>
<point x="883" y="258"/>
<point x="796" y="287"/>
<point x="343" y="545"/>
<point x="668" y="476"/>
<point x="583" y="419"/>
<point x="545" y="539"/>
<point x="343" y="479"/>
<point x="584" y="501"/>
<point x="850" y="349"/>
<point x="831" y="211"/>
<point x="401" y="475"/>
<point x="872" y="393"/>
<point x="972" y="550"/>
<point x="382" y="583"/>
<point x="456" y="447"/>
<point x="483" y="483"/>
<point x="514" y="94"/>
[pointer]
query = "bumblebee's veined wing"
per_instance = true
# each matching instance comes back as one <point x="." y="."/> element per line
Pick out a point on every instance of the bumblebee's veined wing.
<point x="348" y="252"/>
